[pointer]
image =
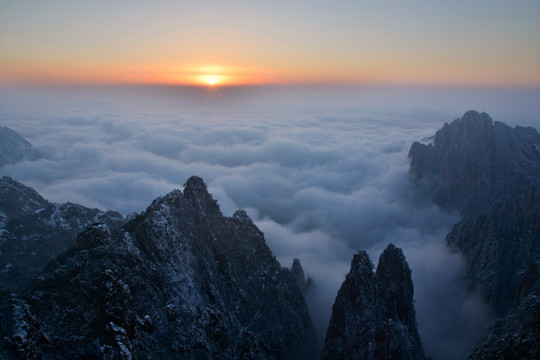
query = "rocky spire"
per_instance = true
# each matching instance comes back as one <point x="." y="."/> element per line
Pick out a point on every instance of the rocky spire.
<point x="373" y="315"/>
<point x="305" y="284"/>
<point x="396" y="287"/>
<point x="196" y="192"/>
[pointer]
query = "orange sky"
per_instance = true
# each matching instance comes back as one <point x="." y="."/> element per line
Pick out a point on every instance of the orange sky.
<point x="492" y="43"/>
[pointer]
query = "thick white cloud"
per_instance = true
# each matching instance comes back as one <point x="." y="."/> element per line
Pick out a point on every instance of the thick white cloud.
<point x="322" y="174"/>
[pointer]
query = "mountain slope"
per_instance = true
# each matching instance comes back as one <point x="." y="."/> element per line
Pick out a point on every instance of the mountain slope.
<point x="34" y="231"/>
<point x="373" y="316"/>
<point x="516" y="335"/>
<point x="14" y="148"/>
<point x="178" y="281"/>
<point x="498" y="247"/>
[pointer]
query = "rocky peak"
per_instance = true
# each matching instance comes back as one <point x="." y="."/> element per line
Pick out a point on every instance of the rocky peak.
<point x="18" y="200"/>
<point x="298" y="273"/>
<point x="305" y="284"/>
<point x="361" y="266"/>
<point x="373" y="316"/>
<point x="394" y="276"/>
<point x="196" y="192"/>
<point x="172" y="283"/>
<point x="474" y="163"/>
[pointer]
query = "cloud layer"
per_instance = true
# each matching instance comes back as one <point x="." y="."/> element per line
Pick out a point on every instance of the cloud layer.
<point x="323" y="175"/>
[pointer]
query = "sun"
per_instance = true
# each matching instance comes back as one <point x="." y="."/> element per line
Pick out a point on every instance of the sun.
<point x="212" y="80"/>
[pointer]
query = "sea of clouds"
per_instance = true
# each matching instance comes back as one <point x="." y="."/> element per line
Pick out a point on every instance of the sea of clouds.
<point x="323" y="172"/>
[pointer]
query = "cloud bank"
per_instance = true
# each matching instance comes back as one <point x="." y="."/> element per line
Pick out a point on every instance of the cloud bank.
<point x="322" y="173"/>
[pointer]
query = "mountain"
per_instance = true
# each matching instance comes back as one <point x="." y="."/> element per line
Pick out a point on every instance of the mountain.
<point x="516" y="335"/>
<point x="17" y="200"/>
<point x="490" y="173"/>
<point x="34" y="231"/>
<point x="474" y="163"/>
<point x="498" y="247"/>
<point x="373" y="316"/>
<point x="178" y="281"/>
<point x="14" y="148"/>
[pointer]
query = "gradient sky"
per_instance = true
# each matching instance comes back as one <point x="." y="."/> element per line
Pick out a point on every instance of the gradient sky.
<point x="482" y="42"/>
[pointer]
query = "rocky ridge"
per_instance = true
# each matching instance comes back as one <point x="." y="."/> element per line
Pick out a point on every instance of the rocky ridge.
<point x="373" y="316"/>
<point x="178" y="281"/>
<point x="34" y="231"/>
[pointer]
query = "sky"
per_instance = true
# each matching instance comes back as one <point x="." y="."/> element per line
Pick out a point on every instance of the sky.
<point x="416" y="42"/>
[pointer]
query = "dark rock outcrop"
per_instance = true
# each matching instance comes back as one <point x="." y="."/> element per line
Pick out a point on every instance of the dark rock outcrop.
<point x="14" y="148"/>
<point x="516" y="335"/>
<point x="305" y="284"/>
<point x="34" y="231"/>
<point x="17" y="200"/>
<point x="178" y="281"/>
<point x="498" y="247"/>
<point x="490" y="173"/>
<point x="474" y="163"/>
<point x="373" y="316"/>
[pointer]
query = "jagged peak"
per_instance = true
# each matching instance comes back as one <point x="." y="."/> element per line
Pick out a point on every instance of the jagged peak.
<point x="195" y="184"/>
<point x="392" y="263"/>
<point x="172" y="196"/>
<point x="472" y="123"/>
<point x="361" y="265"/>
<point x="298" y="273"/>
<point x="196" y="191"/>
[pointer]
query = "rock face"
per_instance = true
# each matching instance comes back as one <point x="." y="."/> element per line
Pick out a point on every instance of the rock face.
<point x="474" y="163"/>
<point x="498" y="247"/>
<point x="34" y="231"/>
<point x="14" y="148"/>
<point x="490" y="173"/>
<point x="517" y="335"/>
<point x="178" y="281"/>
<point x="373" y="316"/>
<point x="305" y="284"/>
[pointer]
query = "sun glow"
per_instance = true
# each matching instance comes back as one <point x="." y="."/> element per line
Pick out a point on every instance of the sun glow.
<point x="212" y="80"/>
